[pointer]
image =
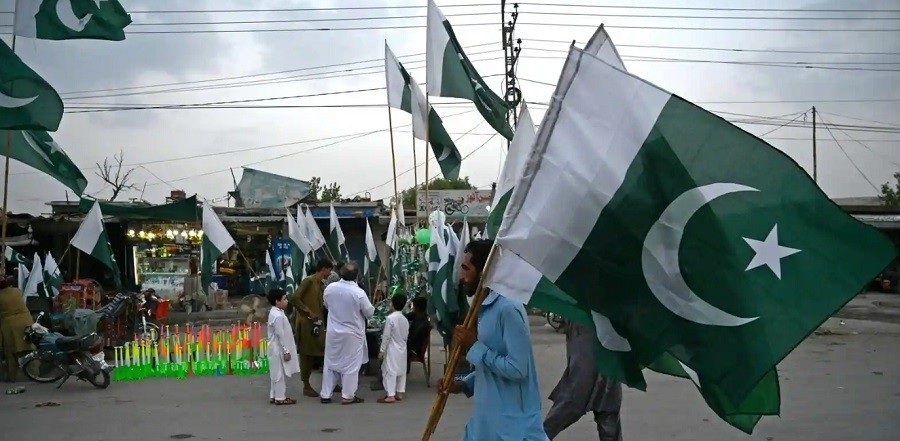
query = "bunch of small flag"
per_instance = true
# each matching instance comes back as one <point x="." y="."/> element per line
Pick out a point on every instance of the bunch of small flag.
<point x="194" y="352"/>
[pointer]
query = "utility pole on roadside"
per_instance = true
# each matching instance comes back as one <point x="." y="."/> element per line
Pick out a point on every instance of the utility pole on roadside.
<point x="511" y="49"/>
<point x="815" y="168"/>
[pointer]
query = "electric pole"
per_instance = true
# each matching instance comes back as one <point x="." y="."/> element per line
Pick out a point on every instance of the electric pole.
<point x="815" y="168"/>
<point x="511" y="49"/>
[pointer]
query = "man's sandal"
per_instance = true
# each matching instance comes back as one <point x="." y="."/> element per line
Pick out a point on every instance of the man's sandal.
<point x="355" y="400"/>
<point x="284" y="402"/>
<point x="387" y="400"/>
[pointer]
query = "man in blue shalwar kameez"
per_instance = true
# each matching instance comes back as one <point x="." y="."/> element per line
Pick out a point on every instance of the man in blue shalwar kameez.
<point x="504" y="383"/>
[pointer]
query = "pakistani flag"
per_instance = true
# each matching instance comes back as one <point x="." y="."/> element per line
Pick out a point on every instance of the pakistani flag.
<point x="462" y="242"/>
<point x="449" y="73"/>
<point x="300" y="248"/>
<point x="71" y="19"/>
<point x="23" y="274"/>
<point x="336" y="237"/>
<point x="313" y="233"/>
<point x="370" y="265"/>
<point x="37" y="149"/>
<point x="517" y="279"/>
<point x="693" y="237"/>
<point x="404" y="93"/>
<point x="27" y="102"/>
<point x="35" y="284"/>
<point x="52" y="277"/>
<point x="92" y="239"/>
<point x="519" y="149"/>
<point x="14" y="256"/>
<point x="440" y="269"/>
<point x="216" y="241"/>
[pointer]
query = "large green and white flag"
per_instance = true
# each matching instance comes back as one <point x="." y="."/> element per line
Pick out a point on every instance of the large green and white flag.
<point x="300" y="248"/>
<point x="693" y="237"/>
<point x="37" y="149"/>
<point x="14" y="256"/>
<point x="404" y="93"/>
<point x="35" y="284"/>
<point x="336" y="242"/>
<point x="52" y="277"/>
<point x="519" y="149"/>
<point x="71" y="19"/>
<point x="517" y="279"/>
<point x="91" y="238"/>
<point x="441" y="288"/>
<point x="391" y="236"/>
<point x="27" y="102"/>
<point x="216" y="241"/>
<point x="449" y="73"/>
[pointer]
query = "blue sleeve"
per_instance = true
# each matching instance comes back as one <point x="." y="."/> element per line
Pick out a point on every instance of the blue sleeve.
<point x="514" y="364"/>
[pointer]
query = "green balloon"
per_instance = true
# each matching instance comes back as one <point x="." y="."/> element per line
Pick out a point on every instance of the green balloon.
<point x="423" y="236"/>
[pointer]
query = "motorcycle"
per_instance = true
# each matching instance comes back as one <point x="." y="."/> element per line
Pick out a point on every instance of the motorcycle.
<point x="60" y="357"/>
<point x="555" y="320"/>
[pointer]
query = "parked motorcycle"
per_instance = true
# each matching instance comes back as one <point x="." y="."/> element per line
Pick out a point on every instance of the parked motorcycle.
<point x="60" y="357"/>
<point x="554" y="320"/>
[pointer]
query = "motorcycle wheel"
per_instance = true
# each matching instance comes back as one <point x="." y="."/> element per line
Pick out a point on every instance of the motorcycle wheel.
<point x="555" y="321"/>
<point x="103" y="381"/>
<point x="42" y="371"/>
<point x="151" y="332"/>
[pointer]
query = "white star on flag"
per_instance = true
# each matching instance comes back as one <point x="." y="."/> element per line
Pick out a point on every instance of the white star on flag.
<point x="769" y="252"/>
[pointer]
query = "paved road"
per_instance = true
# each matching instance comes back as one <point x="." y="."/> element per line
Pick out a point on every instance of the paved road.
<point x="842" y="384"/>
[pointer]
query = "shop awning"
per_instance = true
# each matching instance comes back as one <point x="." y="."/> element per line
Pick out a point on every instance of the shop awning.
<point x="181" y="211"/>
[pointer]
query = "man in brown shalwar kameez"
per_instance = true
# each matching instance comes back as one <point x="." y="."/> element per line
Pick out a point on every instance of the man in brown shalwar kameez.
<point x="309" y="313"/>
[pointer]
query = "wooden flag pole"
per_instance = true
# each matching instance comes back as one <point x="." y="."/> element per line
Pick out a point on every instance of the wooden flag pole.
<point x="427" y="148"/>
<point x="6" y="183"/>
<point x="415" y="185"/>
<point x="437" y="409"/>
<point x="393" y="154"/>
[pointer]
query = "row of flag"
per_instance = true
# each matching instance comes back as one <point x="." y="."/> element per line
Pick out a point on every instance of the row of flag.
<point x="449" y="73"/>
<point x="29" y="106"/>
<point x="691" y="247"/>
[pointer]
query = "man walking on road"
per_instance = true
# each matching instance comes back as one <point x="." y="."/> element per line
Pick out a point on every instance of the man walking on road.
<point x="345" y="342"/>
<point x="582" y="389"/>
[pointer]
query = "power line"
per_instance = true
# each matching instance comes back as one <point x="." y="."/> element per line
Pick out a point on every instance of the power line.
<point x="841" y="147"/>
<point x="803" y="114"/>
<point x="237" y="77"/>
<point x="744" y="63"/>
<point x="706" y="48"/>
<point x="858" y="142"/>
<point x="889" y="125"/>
<point x="400" y="27"/>
<point x="685" y="8"/>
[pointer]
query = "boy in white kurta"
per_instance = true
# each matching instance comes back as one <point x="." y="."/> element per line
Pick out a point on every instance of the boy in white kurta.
<point x="393" y="351"/>
<point x="282" y="351"/>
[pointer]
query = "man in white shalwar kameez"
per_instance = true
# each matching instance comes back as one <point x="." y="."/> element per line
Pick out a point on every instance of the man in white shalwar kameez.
<point x="393" y="351"/>
<point x="282" y="351"/>
<point x="345" y="335"/>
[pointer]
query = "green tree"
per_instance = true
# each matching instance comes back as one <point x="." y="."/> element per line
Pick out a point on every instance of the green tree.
<point x="328" y="193"/>
<point x="331" y="192"/>
<point x="315" y="185"/>
<point x="410" y="195"/>
<point x="890" y="196"/>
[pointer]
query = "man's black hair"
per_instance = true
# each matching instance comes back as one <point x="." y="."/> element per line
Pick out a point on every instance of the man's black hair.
<point x="349" y="271"/>
<point x="324" y="263"/>
<point x="275" y="295"/>
<point x="479" y="249"/>
<point x="420" y="304"/>
<point x="398" y="301"/>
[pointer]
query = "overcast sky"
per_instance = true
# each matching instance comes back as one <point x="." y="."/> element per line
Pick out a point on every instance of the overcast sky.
<point x="157" y="142"/>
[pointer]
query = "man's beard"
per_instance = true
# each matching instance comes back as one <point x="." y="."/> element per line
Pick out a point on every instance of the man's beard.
<point x="470" y="288"/>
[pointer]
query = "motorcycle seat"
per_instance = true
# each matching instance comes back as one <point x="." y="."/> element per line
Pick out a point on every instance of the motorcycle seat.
<point x="69" y="344"/>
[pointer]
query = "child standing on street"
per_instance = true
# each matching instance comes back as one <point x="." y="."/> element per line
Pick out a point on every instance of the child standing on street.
<point x="393" y="351"/>
<point x="282" y="351"/>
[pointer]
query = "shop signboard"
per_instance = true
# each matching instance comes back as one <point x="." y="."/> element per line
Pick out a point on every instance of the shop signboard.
<point x="166" y="285"/>
<point x="457" y="204"/>
<point x="281" y="257"/>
